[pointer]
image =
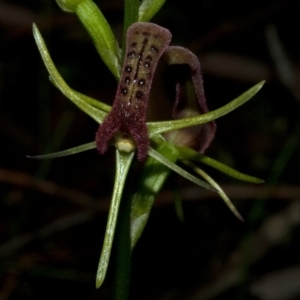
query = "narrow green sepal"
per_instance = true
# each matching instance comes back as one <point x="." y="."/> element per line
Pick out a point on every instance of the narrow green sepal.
<point x="99" y="30"/>
<point x="131" y="15"/>
<point x="213" y="183"/>
<point x="178" y="205"/>
<point x="97" y="114"/>
<point x="149" y="8"/>
<point x="71" y="151"/>
<point x="190" y="154"/>
<point x="161" y="127"/>
<point x="123" y="161"/>
<point x="68" y="5"/>
<point x="179" y="170"/>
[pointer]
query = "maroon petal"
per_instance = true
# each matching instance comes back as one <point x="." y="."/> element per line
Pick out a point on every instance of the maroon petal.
<point x="202" y="134"/>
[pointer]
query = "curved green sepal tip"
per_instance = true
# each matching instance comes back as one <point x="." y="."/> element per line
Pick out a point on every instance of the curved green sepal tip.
<point x="84" y="103"/>
<point x="190" y="154"/>
<point x="149" y="8"/>
<point x="179" y="170"/>
<point x="71" y="151"/>
<point x="123" y="163"/>
<point x="214" y="184"/>
<point x="165" y="126"/>
<point x="68" y="5"/>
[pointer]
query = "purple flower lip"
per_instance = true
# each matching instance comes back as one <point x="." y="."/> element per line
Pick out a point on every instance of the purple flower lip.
<point x="146" y="42"/>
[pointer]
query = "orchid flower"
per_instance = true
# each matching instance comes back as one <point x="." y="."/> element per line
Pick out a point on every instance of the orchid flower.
<point x="159" y="144"/>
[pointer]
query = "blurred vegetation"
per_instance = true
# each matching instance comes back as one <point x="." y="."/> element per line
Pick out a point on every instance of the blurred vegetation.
<point x="53" y="212"/>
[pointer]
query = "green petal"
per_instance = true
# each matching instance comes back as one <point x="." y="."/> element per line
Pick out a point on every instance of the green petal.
<point x="149" y="8"/>
<point x="58" y="81"/>
<point x="96" y="103"/>
<point x="190" y="154"/>
<point x="216" y="186"/>
<point x="67" y="152"/>
<point x="179" y="170"/>
<point x="161" y="127"/>
<point x="131" y="11"/>
<point x="99" y="30"/>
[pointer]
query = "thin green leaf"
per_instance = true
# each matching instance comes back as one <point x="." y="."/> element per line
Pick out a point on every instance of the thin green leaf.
<point x="190" y="154"/>
<point x="67" y="152"/>
<point x="161" y="127"/>
<point x="58" y="81"/>
<point x="149" y="8"/>
<point x="179" y="170"/>
<point x="123" y="163"/>
<point x="217" y="187"/>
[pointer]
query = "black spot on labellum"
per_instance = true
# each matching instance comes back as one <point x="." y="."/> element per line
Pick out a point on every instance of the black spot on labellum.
<point x="127" y="80"/>
<point x="154" y="49"/>
<point x="148" y="58"/>
<point x="133" y="44"/>
<point x="149" y="75"/>
<point x="131" y="54"/>
<point x="138" y="95"/>
<point x="128" y="69"/>
<point x="124" y="91"/>
<point x="142" y="82"/>
<point x="145" y="41"/>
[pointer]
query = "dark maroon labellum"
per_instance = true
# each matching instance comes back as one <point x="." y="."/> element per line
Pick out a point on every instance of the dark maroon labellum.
<point x="145" y="43"/>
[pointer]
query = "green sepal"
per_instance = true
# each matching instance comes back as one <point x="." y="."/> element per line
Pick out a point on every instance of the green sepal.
<point x="149" y="8"/>
<point x="123" y="162"/>
<point x="190" y="154"/>
<point x="81" y="101"/>
<point x="71" y="151"/>
<point x="165" y="126"/>
<point x="162" y="159"/>
<point x="99" y="30"/>
<point x="213" y="183"/>
<point x="131" y="15"/>
<point x="178" y="204"/>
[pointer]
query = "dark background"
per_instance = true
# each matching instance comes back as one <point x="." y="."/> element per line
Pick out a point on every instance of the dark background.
<point x="50" y="238"/>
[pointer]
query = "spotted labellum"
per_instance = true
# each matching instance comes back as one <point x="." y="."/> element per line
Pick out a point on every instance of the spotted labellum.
<point x="145" y="44"/>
